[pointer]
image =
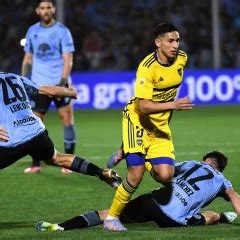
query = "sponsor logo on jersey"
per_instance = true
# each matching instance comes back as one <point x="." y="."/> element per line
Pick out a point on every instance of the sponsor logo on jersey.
<point x="24" y="122"/>
<point x="180" y="197"/>
<point x="167" y="96"/>
<point x="44" y="50"/>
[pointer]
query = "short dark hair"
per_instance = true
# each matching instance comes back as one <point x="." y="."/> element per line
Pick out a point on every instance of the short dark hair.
<point x="164" y="28"/>
<point x="220" y="159"/>
<point x="50" y="1"/>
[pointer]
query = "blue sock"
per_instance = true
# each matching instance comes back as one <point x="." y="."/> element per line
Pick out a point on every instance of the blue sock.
<point x="69" y="139"/>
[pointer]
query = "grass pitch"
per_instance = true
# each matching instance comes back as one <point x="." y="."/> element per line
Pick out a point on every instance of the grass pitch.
<point x="52" y="196"/>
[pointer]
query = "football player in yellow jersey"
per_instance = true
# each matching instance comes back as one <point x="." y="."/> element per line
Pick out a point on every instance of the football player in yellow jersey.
<point x="145" y="124"/>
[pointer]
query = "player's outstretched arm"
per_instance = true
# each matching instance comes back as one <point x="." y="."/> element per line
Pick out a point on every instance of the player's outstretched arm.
<point x="235" y="199"/>
<point x="182" y="104"/>
<point x="56" y="91"/>
<point x="148" y="106"/>
<point x="3" y="135"/>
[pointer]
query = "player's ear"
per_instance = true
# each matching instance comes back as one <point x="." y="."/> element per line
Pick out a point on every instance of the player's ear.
<point x="158" y="42"/>
<point x="208" y="161"/>
<point x="37" y="11"/>
<point x="53" y="10"/>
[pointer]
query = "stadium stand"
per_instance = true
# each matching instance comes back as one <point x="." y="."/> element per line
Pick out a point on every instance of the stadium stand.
<point x="115" y="35"/>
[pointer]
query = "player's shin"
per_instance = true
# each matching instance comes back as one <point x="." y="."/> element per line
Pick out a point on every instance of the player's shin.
<point x="81" y="165"/>
<point x="86" y="220"/>
<point x="69" y="139"/>
<point x="121" y="198"/>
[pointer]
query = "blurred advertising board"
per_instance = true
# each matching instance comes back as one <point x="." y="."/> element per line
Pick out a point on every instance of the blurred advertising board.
<point x="103" y="90"/>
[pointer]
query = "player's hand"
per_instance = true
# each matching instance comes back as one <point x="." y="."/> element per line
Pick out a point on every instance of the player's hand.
<point x="3" y="135"/>
<point x="72" y="92"/>
<point x="183" y="104"/>
<point x="63" y="83"/>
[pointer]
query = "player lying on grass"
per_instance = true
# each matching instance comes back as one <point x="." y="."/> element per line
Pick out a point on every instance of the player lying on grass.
<point x="22" y="133"/>
<point x="195" y="185"/>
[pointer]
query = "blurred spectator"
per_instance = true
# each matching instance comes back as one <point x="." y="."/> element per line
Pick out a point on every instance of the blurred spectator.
<point x="115" y="35"/>
<point x="92" y="49"/>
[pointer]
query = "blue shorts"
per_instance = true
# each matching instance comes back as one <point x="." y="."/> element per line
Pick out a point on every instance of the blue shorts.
<point x="138" y="159"/>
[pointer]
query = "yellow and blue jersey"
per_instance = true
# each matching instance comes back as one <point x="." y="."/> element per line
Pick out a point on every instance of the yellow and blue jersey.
<point x="159" y="83"/>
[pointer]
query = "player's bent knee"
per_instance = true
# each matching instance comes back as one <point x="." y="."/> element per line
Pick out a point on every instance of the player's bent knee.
<point x="163" y="174"/>
<point x="164" y="177"/>
<point x="135" y="175"/>
<point x="57" y="159"/>
<point x="63" y="160"/>
<point x="135" y="181"/>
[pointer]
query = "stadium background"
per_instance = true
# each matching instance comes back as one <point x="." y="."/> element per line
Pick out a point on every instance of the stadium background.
<point x="110" y="44"/>
<point x="110" y="38"/>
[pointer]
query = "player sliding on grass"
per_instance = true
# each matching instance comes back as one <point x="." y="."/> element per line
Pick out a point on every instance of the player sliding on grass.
<point x="195" y="185"/>
<point x="23" y="133"/>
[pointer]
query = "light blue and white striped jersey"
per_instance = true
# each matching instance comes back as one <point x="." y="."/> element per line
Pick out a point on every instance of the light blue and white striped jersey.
<point x="47" y="44"/>
<point x="16" y="114"/>
<point x="195" y="185"/>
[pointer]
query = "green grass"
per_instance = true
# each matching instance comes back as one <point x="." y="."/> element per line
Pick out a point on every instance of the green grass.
<point x="50" y="196"/>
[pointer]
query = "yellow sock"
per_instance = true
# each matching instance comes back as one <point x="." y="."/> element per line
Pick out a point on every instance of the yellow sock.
<point x="121" y="198"/>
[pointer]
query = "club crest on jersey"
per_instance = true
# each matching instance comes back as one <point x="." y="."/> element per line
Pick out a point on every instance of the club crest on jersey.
<point x="141" y="81"/>
<point x="44" y="50"/>
<point x="44" y="47"/>
<point x="180" y="71"/>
